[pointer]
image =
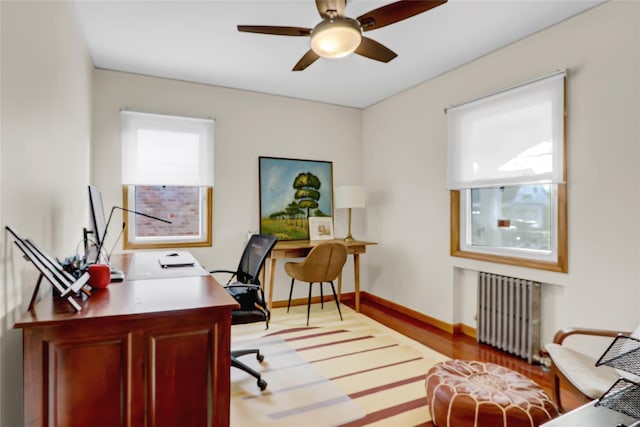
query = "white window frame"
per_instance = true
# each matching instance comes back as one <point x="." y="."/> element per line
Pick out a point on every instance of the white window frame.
<point x="533" y="254"/>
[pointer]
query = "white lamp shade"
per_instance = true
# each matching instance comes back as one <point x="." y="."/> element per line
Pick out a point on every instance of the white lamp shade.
<point x="349" y="196"/>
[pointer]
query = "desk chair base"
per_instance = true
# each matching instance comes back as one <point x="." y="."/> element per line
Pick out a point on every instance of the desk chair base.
<point x="321" y="298"/>
<point x="262" y="384"/>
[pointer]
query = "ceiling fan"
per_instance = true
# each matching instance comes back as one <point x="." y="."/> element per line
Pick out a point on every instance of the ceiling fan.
<point x="338" y="35"/>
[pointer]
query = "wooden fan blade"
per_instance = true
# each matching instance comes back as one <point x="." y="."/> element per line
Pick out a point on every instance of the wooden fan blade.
<point x="278" y="31"/>
<point x="394" y="12"/>
<point x="374" y="50"/>
<point x="326" y="5"/>
<point x="309" y="58"/>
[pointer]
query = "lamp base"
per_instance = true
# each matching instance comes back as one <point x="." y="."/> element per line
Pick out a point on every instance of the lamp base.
<point x="349" y="238"/>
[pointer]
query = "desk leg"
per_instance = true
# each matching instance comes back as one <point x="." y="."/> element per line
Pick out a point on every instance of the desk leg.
<point x="272" y="273"/>
<point x="356" y="273"/>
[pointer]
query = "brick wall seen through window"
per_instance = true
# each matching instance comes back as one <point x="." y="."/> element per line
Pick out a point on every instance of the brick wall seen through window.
<point x="180" y="205"/>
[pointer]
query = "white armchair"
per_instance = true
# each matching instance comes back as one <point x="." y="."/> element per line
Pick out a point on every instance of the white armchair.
<point x="578" y="370"/>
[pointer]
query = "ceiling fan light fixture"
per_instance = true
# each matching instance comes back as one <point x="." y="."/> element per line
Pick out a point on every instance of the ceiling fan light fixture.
<point x="336" y="37"/>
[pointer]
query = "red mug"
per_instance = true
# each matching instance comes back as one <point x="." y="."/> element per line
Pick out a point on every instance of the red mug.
<point x="99" y="276"/>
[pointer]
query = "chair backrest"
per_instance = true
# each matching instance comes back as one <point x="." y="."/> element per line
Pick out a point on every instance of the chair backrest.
<point x="324" y="262"/>
<point x="253" y="257"/>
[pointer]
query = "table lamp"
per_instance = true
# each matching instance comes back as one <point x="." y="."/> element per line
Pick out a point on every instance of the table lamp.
<point x="349" y="196"/>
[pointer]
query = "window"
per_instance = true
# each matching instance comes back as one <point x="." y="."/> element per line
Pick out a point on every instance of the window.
<point x="507" y="176"/>
<point x="167" y="172"/>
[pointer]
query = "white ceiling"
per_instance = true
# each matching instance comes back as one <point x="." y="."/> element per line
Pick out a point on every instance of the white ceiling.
<point x="198" y="41"/>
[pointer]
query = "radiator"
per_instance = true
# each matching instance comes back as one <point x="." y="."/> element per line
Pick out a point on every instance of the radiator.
<point x="509" y="315"/>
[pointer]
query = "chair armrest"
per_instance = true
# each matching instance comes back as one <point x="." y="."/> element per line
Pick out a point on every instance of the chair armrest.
<point x="232" y="273"/>
<point x="222" y="271"/>
<point x="562" y="334"/>
<point x="243" y="285"/>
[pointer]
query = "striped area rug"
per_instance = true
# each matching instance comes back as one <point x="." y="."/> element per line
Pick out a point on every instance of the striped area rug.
<point x="355" y="372"/>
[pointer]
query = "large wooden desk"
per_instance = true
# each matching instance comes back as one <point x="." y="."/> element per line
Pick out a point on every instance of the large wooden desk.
<point x="150" y="352"/>
<point x="300" y="249"/>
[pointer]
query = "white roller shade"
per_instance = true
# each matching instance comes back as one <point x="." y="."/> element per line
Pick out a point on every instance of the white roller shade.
<point x="514" y="137"/>
<point x="166" y="150"/>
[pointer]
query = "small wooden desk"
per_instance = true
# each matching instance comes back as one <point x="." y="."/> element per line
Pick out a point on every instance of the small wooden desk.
<point x="141" y="353"/>
<point x="300" y="249"/>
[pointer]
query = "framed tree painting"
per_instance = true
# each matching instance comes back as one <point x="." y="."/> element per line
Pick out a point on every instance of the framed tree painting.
<point x="291" y="191"/>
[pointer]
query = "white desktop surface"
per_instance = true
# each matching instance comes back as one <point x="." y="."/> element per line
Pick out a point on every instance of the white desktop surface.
<point x="590" y="415"/>
<point x="146" y="265"/>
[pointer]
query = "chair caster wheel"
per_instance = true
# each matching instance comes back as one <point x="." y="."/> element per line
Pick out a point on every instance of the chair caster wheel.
<point x="260" y="357"/>
<point x="262" y="384"/>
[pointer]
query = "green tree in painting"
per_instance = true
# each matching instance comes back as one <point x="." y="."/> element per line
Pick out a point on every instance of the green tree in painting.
<point x="307" y="194"/>
<point x="278" y="215"/>
<point x="318" y="212"/>
<point x="293" y="211"/>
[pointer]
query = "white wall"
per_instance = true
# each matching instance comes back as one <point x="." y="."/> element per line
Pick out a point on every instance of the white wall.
<point x="44" y="160"/>
<point x="248" y="125"/>
<point x="405" y="157"/>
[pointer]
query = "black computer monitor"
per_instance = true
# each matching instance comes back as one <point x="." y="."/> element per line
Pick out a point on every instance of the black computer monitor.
<point x="98" y="222"/>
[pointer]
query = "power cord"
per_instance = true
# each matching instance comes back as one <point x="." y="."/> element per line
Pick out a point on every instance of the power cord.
<point x="124" y="224"/>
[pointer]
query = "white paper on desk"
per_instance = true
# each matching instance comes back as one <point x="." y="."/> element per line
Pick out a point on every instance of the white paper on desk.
<point x="176" y="259"/>
<point x="146" y="265"/>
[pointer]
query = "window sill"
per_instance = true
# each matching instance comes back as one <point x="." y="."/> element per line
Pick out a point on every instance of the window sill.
<point x="559" y="266"/>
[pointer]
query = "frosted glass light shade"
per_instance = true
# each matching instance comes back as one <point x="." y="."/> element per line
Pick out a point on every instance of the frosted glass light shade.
<point x="514" y="137"/>
<point x="348" y="196"/>
<point x="166" y="150"/>
<point x="335" y="38"/>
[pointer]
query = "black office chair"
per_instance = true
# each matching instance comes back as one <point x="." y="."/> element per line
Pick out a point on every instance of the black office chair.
<point x="244" y="286"/>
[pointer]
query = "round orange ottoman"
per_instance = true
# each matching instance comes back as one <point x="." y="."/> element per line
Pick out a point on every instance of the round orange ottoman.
<point x="462" y="393"/>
